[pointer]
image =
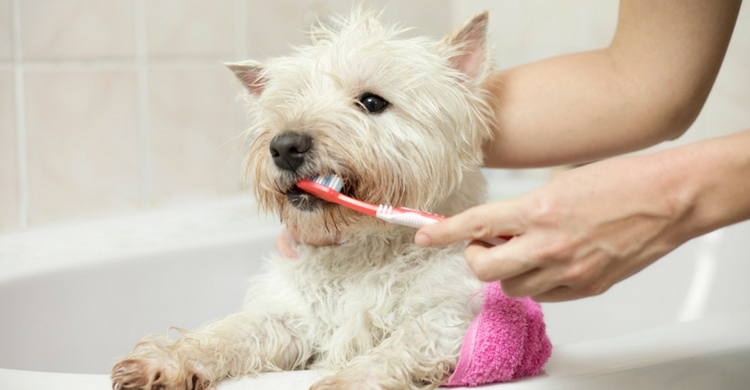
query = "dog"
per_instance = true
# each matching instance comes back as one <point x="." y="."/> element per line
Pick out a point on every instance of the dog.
<point x="402" y="122"/>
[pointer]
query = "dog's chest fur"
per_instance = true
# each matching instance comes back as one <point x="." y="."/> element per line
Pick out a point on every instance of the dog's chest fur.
<point x="353" y="296"/>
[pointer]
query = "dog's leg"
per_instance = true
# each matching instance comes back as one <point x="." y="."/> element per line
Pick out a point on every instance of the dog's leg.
<point x="241" y="344"/>
<point x="418" y="355"/>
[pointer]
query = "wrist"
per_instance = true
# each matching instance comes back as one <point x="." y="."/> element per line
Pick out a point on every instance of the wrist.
<point x="708" y="183"/>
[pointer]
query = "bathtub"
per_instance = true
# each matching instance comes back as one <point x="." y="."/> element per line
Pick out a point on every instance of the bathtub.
<point x="73" y="299"/>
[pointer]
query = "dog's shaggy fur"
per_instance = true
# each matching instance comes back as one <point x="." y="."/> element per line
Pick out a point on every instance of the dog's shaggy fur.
<point x="375" y="308"/>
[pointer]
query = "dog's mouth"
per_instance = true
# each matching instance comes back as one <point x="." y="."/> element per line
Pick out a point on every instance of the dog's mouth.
<point x="304" y="201"/>
<point x="308" y="202"/>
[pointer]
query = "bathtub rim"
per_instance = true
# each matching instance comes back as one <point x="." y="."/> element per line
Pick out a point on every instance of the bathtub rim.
<point x="593" y="361"/>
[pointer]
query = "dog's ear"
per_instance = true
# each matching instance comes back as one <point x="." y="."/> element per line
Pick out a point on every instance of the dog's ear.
<point x="469" y="41"/>
<point x="251" y="75"/>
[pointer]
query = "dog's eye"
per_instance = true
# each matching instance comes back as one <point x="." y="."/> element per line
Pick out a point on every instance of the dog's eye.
<point x="372" y="103"/>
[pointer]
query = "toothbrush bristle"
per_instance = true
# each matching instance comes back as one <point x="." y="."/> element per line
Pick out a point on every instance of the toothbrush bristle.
<point x="331" y="181"/>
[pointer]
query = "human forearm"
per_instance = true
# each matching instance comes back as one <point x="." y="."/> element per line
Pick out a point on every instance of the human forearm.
<point x="646" y="87"/>
<point x="562" y="110"/>
<point x="714" y="179"/>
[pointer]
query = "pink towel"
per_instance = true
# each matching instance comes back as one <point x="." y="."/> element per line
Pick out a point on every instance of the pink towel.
<point x="506" y="340"/>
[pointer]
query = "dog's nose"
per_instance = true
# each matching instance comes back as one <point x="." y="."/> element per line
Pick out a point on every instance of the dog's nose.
<point x="288" y="150"/>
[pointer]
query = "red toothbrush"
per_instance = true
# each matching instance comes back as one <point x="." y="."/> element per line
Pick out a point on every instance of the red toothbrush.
<point x="329" y="187"/>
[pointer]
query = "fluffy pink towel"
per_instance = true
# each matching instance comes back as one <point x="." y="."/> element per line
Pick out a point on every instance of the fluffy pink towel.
<point x="506" y="340"/>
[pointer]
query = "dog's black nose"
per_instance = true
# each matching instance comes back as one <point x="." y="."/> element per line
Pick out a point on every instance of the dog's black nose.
<point x="288" y="150"/>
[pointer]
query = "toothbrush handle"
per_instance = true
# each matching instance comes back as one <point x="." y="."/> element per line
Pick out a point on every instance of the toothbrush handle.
<point x="417" y="219"/>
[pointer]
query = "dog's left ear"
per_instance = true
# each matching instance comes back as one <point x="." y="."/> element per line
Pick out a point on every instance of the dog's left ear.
<point x="251" y="75"/>
<point x="470" y="44"/>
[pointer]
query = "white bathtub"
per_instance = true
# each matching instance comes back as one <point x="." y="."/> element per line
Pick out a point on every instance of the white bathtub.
<point x="74" y="299"/>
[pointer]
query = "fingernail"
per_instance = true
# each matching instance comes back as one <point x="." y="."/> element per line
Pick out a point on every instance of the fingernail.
<point x="422" y="240"/>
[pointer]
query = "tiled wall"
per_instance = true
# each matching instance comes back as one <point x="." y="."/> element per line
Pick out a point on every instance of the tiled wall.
<point x="107" y="107"/>
<point x="529" y="30"/>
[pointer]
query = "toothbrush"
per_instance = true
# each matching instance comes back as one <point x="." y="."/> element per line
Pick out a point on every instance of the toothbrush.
<point x="329" y="188"/>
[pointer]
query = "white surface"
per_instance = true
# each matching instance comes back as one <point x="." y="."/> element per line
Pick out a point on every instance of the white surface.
<point x="76" y="298"/>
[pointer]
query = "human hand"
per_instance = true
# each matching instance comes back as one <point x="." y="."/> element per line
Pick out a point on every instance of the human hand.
<point x="586" y="230"/>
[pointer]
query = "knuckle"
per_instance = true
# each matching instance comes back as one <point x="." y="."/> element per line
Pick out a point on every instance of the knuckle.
<point x="481" y="268"/>
<point x="580" y="272"/>
<point x="479" y="227"/>
<point x="543" y="212"/>
<point x="595" y="288"/>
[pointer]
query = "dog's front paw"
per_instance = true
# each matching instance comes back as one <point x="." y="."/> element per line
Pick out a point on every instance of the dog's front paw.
<point x="158" y="374"/>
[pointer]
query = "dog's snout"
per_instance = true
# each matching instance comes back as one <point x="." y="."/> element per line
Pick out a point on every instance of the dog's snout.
<point x="288" y="150"/>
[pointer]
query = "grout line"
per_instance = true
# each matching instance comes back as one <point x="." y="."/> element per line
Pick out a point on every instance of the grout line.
<point x="20" y="112"/>
<point x="87" y="65"/>
<point x="145" y="190"/>
<point x="79" y="65"/>
<point x="241" y="54"/>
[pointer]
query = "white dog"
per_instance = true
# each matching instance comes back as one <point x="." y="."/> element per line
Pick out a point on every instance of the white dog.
<point x="402" y="122"/>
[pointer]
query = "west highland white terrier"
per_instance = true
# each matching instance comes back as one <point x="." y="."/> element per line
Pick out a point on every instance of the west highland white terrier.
<point x="402" y="122"/>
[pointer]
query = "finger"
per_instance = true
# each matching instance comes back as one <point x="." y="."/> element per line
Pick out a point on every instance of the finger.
<point x="532" y="283"/>
<point x="283" y="245"/>
<point x="490" y="220"/>
<point x="558" y="294"/>
<point x="499" y="262"/>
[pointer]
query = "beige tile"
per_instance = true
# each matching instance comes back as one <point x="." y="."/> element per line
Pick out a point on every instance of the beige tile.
<point x="273" y="26"/>
<point x="77" y="29"/>
<point x="728" y="107"/>
<point x="422" y="17"/>
<point x="568" y="25"/>
<point x="190" y="27"/>
<point x="82" y="144"/>
<point x="6" y="31"/>
<point x="741" y="36"/>
<point x="509" y="57"/>
<point x="9" y="201"/>
<point x="193" y="136"/>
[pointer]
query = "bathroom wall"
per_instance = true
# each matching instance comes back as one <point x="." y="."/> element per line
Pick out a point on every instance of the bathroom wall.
<point x="110" y="107"/>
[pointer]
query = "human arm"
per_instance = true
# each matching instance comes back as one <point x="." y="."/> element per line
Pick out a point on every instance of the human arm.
<point x="647" y="86"/>
<point x="594" y="226"/>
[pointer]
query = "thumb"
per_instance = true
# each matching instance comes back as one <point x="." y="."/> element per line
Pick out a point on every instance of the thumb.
<point x="489" y="220"/>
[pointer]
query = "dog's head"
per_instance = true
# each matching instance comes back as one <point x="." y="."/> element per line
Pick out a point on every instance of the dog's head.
<point x="401" y="121"/>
